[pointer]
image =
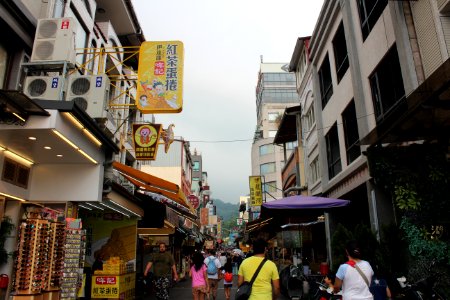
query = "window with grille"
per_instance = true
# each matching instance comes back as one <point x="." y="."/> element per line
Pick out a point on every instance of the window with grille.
<point x="333" y="153"/>
<point x="15" y="173"/>
<point x="326" y="84"/>
<point x="340" y="52"/>
<point x="350" y="124"/>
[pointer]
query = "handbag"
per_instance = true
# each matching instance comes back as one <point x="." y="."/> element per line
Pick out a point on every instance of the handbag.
<point x="245" y="289"/>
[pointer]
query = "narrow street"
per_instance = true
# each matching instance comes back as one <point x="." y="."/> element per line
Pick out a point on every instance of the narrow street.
<point x="182" y="290"/>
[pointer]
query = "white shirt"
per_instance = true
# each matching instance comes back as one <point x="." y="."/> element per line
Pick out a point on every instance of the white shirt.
<point x="223" y="260"/>
<point x="353" y="285"/>
<point x="216" y="262"/>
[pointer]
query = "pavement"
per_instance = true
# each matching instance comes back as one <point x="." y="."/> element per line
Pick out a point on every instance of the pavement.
<point x="183" y="290"/>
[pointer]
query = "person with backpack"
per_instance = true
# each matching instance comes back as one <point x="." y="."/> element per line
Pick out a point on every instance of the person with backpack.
<point x="199" y="277"/>
<point x="212" y="269"/>
<point x="227" y="271"/>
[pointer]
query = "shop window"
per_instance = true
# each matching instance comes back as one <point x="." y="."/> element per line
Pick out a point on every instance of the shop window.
<point x="369" y="13"/>
<point x="15" y="173"/>
<point x="386" y="83"/>
<point x="340" y="52"/>
<point x="333" y="154"/>
<point x="350" y="124"/>
<point x="326" y="85"/>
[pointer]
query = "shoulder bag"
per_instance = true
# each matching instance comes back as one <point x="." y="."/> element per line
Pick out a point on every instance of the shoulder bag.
<point x="245" y="289"/>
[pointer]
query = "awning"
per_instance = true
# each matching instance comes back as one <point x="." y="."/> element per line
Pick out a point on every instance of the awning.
<point x="166" y="230"/>
<point x="153" y="184"/>
<point x="287" y="131"/>
<point x="305" y="202"/>
<point x="257" y="224"/>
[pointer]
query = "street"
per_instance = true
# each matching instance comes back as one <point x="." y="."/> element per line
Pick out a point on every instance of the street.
<point x="183" y="290"/>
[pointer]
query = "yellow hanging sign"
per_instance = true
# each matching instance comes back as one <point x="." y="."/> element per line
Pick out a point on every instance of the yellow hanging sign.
<point x="256" y="196"/>
<point x="160" y="77"/>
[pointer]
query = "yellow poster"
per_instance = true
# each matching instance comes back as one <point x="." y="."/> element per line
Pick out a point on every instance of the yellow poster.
<point x="256" y="196"/>
<point x="160" y="77"/>
<point x="114" y="287"/>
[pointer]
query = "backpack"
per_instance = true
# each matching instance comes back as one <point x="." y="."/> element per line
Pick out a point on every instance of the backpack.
<point x="228" y="277"/>
<point x="212" y="269"/>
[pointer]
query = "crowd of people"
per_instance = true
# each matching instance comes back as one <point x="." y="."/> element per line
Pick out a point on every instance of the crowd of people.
<point x="354" y="279"/>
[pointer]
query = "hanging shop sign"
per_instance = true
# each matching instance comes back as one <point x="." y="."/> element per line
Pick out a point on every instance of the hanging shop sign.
<point x="204" y="214"/>
<point x="160" y="77"/>
<point x="256" y="196"/>
<point x="239" y="221"/>
<point x="146" y="138"/>
<point x="195" y="202"/>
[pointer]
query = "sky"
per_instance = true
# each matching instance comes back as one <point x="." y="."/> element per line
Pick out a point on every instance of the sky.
<point x="223" y="43"/>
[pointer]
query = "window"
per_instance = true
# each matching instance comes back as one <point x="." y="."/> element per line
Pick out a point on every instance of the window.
<point x="369" y="13"/>
<point x="195" y="179"/>
<point x="3" y="65"/>
<point x="266" y="149"/>
<point x="196" y="166"/>
<point x="279" y="96"/>
<point x="267" y="168"/>
<point x="80" y="36"/>
<point x="387" y="85"/>
<point x="315" y="169"/>
<point x="309" y="119"/>
<point x="270" y="187"/>
<point x="272" y="133"/>
<point x="340" y="52"/>
<point x="333" y="155"/>
<point x="326" y="85"/>
<point x="273" y="117"/>
<point x="291" y="145"/>
<point x="350" y="124"/>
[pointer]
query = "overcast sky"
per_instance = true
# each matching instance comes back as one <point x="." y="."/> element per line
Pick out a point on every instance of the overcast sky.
<point x="223" y="41"/>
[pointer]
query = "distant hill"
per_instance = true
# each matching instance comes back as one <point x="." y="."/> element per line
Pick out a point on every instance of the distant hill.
<point x="226" y="210"/>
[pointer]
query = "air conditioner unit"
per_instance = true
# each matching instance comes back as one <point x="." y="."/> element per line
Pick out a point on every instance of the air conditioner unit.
<point x="90" y="92"/>
<point x="54" y="40"/>
<point x="44" y="87"/>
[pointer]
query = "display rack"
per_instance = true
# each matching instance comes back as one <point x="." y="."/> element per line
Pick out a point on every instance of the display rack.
<point x="56" y="253"/>
<point x="32" y="262"/>
<point x="74" y="256"/>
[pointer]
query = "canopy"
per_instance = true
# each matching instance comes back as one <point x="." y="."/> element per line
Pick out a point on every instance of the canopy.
<point x="305" y="202"/>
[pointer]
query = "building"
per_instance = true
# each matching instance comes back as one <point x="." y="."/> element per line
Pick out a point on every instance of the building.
<point x="197" y="168"/>
<point x="274" y="92"/>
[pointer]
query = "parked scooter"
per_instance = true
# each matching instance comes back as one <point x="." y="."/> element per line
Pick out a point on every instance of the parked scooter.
<point x="420" y="290"/>
<point x="295" y="283"/>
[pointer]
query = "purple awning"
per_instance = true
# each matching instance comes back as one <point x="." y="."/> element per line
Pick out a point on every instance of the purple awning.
<point x="305" y="202"/>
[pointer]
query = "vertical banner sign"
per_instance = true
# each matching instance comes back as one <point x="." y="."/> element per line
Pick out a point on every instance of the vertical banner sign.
<point x="255" y="191"/>
<point x="204" y="216"/>
<point x="146" y="138"/>
<point x="160" y="77"/>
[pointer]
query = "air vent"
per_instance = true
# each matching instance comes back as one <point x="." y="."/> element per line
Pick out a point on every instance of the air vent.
<point x="47" y="29"/>
<point x="44" y="87"/>
<point x="80" y="86"/>
<point x="37" y="87"/>
<point x="15" y="173"/>
<point x="81" y="102"/>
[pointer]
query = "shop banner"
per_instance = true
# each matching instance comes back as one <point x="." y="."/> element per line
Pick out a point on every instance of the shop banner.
<point x="114" y="287"/>
<point x="204" y="213"/>
<point x="209" y="244"/>
<point x="239" y="221"/>
<point x="213" y="220"/>
<point x="146" y="137"/>
<point x="256" y="195"/>
<point x="160" y="77"/>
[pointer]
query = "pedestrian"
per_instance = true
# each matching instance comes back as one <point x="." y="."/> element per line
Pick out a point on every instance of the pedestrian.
<point x="227" y="271"/>
<point x="163" y="265"/>
<point x="354" y="276"/>
<point x="200" y="285"/>
<point x="223" y="258"/>
<point x="379" y="287"/>
<point x="267" y="284"/>
<point x="212" y="269"/>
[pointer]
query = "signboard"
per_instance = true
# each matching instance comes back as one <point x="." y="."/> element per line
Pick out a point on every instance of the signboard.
<point x="256" y="196"/>
<point x="146" y="138"/>
<point x="239" y="221"/>
<point x="209" y="244"/>
<point x="212" y="220"/>
<point x="160" y="77"/>
<point x="114" y="287"/>
<point x="195" y="202"/>
<point x="204" y="213"/>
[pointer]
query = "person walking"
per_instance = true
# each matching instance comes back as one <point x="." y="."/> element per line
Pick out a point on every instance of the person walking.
<point x="227" y="271"/>
<point x="200" y="285"/>
<point x="163" y="264"/>
<point x="212" y="269"/>
<point x="223" y="258"/>
<point x="267" y="283"/>
<point x="354" y="276"/>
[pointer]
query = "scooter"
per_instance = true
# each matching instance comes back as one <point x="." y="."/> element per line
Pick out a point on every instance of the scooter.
<point x="422" y="289"/>
<point x="295" y="283"/>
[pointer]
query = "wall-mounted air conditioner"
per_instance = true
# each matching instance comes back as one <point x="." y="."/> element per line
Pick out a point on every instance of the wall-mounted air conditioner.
<point x="44" y="87"/>
<point x="54" y="40"/>
<point x="90" y="92"/>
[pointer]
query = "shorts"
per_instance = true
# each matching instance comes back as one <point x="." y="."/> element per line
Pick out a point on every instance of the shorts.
<point x="197" y="290"/>
<point x="227" y="285"/>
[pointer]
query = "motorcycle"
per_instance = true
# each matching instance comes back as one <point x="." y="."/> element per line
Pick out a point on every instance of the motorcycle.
<point x="420" y="290"/>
